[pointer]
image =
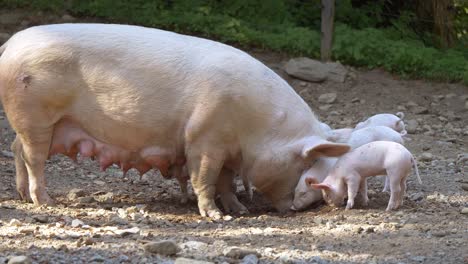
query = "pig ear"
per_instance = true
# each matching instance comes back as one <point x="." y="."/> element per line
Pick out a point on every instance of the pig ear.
<point x="315" y="147"/>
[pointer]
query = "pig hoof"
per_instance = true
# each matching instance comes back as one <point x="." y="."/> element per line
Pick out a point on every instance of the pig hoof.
<point x="232" y="205"/>
<point x="44" y="200"/>
<point x="213" y="214"/>
<point x="24" y="195"/>
<point x="210" y="210"/>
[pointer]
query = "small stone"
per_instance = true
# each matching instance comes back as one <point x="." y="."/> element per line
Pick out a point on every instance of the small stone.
<point x="466" y="105"/>
<point x="41" y="218"/>
<point x="464" y="210"/>
<point x="417" y="196"/>
<point x="439" y="234"/>
<point x="464" y="186"/>
<point x="105" y="198"/>
<point x="85" y="200"/>
<point x="97" y="258"/>
<point x="325" y="107"/>
<point x="125" y="232"/>
<point x="249" y="259"/>
<point x="123" y="258"/>
<point x="15" y="222"/>
<point x="426" y="156"/>
<point x="100" y="183"/>
<point x="164" y="247"/>
<point x="191" y="261"/>
<point x="195" y="245"/>
<point x="237" y="252"/>
<point x="327" y="98"/>
<point x="303" y="84"/>
<point x="75" y="193"/>
<point x="227" y="218"/>
<point x="358" y="229"/>
<point x="317" y="260"/>
<point x="19" y="260"/>
<point x="418" y="258"/>
<point x="77" y="223"/>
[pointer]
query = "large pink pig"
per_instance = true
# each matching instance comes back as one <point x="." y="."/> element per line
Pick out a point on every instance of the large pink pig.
<point x="146" y="98"/>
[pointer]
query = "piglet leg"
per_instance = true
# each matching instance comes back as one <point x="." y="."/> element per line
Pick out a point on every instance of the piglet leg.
<point x="22" y="183"/>
<point x="364" y="199"/>
<point x="395" y="192"/>
<point x="353" y="188"/>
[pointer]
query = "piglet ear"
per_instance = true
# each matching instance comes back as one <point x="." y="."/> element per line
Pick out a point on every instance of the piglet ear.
<point x="309" y="181"/>
<point x="315" y="147"/>
<point x="320" y="186"/>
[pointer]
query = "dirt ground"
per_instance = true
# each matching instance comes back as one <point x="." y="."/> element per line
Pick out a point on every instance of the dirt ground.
<point x="119" y="215"/>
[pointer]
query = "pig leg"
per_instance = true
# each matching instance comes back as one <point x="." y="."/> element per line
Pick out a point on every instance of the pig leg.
<point x="364" y="199"/>
<point x="226" y="190"/>
<point x="353" y="188"/>
<point x="35" y="153"/>
<point x="204" y="172"/>
<point x="180" y="173"/>
<point x="395" y="191"/>
<point x="22" y="183"/>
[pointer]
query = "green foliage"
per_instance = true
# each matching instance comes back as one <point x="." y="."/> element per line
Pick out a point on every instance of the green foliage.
<point x="288" y="26"/>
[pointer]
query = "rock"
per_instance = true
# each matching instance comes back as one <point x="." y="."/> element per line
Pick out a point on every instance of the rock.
<point x="418" y="258"/>
<point x="315" y="71"/>
<point x="7" y="154"/>
<point x="191" y="261"/>
<point x="100" y="183"/>
<point x="439" y="233"/>
<point x="73" y="194"/>
<point x="237" y="252"/>
<point x="327" y="98"/>
<point x="41" y="218"/>
<point x="325" y="107"/>
<point x="4" y="37"/>
<point x="466" y="104"/>
<point x="129" y="231"/>
<point x="15" y="222"/>
<point x="123" y="258"/>
<point x="195" y="245"/>
<point x="85" y="200"/>
<point x="464" y="186"/>
<point x="19" y="260"/>
<point x="97" y="258"/>
<point x="317" y="260"/>
<point x="163" y="247"/>
<point x="411" y="126"/>
<point x="417" y="196"/>
<point x="303" y="84"/>
<point x="105" y="198"/>
<point x="249" y="259"/>
<point x="77" y="223"/>
<point x="426" y="156"/>
<point x="464" y="210"/>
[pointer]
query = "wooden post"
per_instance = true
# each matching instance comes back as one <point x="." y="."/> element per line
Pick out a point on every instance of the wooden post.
<point x="328" y="14"/>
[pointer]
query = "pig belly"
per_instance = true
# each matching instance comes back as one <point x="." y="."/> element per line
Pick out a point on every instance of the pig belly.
<point x="69" y="138"/>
